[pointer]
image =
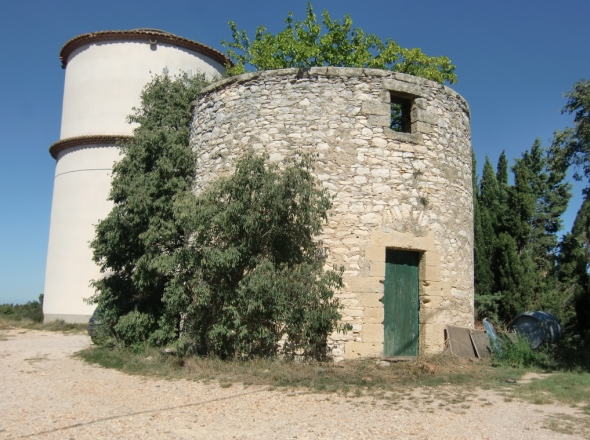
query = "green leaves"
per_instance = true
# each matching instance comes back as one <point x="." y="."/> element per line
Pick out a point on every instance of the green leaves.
<point x="135" y="242"/>
<point x="573" y="144"/>
<point x="252" y="271"/>
<point x="232" y="272"/>
<point x="301" y="44"/>
<point x="516" y="243"/>
<point x="572" y="147"/>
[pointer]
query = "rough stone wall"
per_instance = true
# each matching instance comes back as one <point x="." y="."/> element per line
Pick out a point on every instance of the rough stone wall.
<point x="392" y="190"/>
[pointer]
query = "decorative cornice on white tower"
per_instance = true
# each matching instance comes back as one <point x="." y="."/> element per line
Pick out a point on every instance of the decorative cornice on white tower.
<point x="106" y="71"/>
<point x="152" y="36"/>
<point x="105" y="74"/>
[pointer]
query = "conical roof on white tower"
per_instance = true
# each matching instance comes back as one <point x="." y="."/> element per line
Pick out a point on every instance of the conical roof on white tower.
<point x="105" y="73"/>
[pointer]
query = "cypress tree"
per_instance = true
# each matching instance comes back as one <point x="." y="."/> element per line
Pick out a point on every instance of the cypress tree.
<point x="502" y="171"/>
<point x="489" y="192"/>
<point x="527" y="261"/>
<point x="502" y="178"/>
<point x="573" y="273"/>
<point x="515" y="279"/>
<point x="573" y="143"/>
<point x="486" y="205"/>
<point x="572" y="147"/>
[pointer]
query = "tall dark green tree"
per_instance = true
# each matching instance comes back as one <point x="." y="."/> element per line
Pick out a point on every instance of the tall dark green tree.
<point x="516" y="235"/>
<point x="573" y="273"/>
<point x="515" y="277"/>
<point x="134" y="244"/>
<point x="489" y="192"/>
<point x="572" y="147"/>
<point x="486" y="217"/>
<point x="503" y="185"/>
<point x="573" y="143"/>
<point x="536" y="202"/>
<point x="531" y="268"/>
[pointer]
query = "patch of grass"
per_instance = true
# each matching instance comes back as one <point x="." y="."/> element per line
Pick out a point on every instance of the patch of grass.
<point x="567" y="424"/>
<point x="446" y="381"/>
<point x="8" y="323"/>
<point x="351" y="378"/>
<point x="572" y="388"/>
<point x="516" y="352"/>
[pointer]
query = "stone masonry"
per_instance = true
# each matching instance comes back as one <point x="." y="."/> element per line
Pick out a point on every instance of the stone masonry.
<point x="409" y="191"/>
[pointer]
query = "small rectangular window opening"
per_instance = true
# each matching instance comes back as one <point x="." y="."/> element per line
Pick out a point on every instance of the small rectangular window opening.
<point x="400" y="114"/>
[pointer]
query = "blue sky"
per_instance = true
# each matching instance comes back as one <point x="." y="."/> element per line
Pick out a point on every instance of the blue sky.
<point x="515" y="59"/>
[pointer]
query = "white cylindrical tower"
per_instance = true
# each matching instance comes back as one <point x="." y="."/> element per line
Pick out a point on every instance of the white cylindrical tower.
<point x="105" y="73"/>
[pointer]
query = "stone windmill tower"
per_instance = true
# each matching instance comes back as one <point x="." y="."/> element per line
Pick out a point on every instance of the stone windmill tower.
<point x="105" y="73"/>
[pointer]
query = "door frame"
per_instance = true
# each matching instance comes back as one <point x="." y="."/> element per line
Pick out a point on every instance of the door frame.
<point x="421" y="261"/>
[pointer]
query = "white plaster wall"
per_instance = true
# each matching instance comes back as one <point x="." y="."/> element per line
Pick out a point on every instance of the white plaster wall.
<point x="103" y="82"/>
<point x="80" y="191"/>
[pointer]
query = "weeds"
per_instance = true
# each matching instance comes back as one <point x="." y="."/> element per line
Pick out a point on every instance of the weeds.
<point x="444" y="381"/>
<point x="569" y="425"/>
<point x="572" y="388"/>
<point x="356" y="377"/>
<point x="6" y="323"/>
<point x="516" y="352"/>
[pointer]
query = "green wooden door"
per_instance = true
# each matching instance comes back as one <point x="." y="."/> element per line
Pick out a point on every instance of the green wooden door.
<point x="401" y="303"/>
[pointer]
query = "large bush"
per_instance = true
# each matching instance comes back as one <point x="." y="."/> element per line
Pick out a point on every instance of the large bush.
<point x="234" y="271"/>
<point x="134" y="244"/>
<point x="252" y="272"/>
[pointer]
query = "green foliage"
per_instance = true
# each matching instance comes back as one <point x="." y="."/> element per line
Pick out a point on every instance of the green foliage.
<point x="483" y="276"/>
<point x="302" y="44"/>
<point x="527" y="252"/>
<point x="572" y="147"/>
<point x="539" y="198"/>
<point x="134" y="244"/>
<point x="516" y="244"/>
<point x="7" y="309"/>
<point x="503" y="193"/>
<point x="502" y="173"/>
<point x="574" y="279"/>
<point x="531" y="268"/>
<point x="231" y="272"/>
<point x="134" y="328"/>
<point x="573" y="143"/>
<point x="489" y="192"/>
<point x="32" y="310"/>
<point x="397" y="122"/>
<point x="252" y="271"/>
<point x="514" y="278"/>
<point x="516" y="352"/>
<point x="485" y="219"/>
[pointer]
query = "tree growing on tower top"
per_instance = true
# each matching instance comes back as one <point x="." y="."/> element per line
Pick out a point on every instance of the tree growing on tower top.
<point x="302" y="44"/>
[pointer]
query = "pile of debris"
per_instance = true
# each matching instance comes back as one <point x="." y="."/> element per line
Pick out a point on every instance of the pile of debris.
<point x="539" y="328"/>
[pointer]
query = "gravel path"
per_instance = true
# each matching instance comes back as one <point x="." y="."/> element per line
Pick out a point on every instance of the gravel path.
<point x="46" y="394"/>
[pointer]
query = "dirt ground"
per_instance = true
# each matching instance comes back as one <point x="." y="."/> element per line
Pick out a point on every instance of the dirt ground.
<point x="47" y="394"/>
